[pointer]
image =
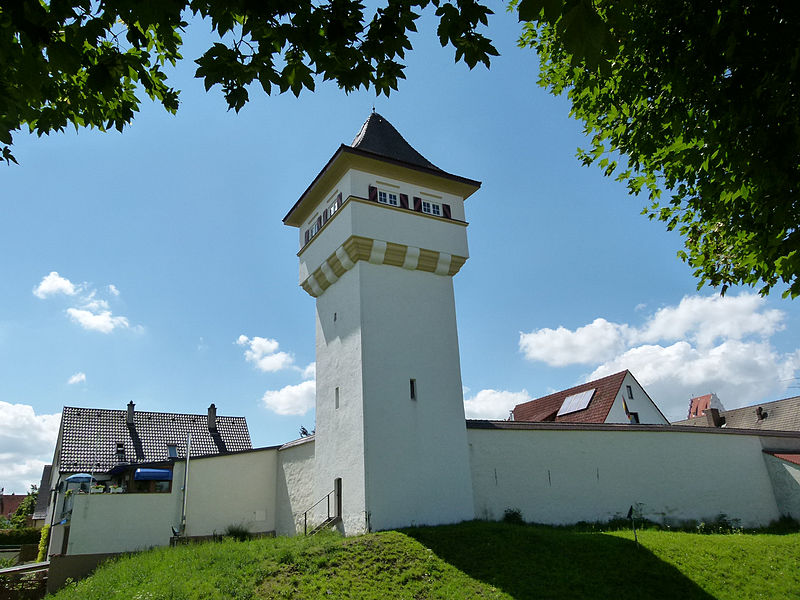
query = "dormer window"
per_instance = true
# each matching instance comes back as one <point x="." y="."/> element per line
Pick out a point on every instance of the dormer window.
<point x="432" y="208"/>
<point x="389" y="198"/>
<point x="120" y="451"/>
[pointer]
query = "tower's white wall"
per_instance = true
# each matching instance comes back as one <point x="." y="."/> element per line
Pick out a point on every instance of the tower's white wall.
<point x="356" y="183"/>
<point x="379" y="222"/>
<point x="339" y="438"/>
<point x="417" y="469"/>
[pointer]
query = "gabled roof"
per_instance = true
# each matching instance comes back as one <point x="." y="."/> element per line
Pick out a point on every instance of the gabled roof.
<point x="781" y="415"/>
<point x="40" y="510"/>
<point x="9" y="503"/>
<point x="89" y="437"/>
<point x="378" y="136"/>
<point x="377" y="145"/>
<point x="547" y="407"/>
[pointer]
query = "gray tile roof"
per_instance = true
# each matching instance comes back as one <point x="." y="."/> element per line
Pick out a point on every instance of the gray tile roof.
<point x="378" y="136"/>
<point x="781" y="415"/>
<point x="40" y="510"/>
<point x="89" y="437"/>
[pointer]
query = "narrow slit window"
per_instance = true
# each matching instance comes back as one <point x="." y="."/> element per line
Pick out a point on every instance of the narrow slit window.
<point x="630" y="392"/>
<point x="336" y="398"/>
<point x="412" y="388"/>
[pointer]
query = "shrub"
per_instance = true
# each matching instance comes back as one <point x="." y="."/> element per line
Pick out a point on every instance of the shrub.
<point x="15" y="537"/>
<point x="45" y="537"/>
<point x="238" y="532"/>
<point x="513" y="515"/>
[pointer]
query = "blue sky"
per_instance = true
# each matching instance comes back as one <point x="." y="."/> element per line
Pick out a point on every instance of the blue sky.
<point x="168" y="244"/>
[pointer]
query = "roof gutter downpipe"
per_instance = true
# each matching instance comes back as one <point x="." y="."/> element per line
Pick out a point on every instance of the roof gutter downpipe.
<point x="186" y="482"/>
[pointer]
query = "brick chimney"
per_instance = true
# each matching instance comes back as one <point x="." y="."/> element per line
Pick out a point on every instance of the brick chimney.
<point x="212" y="418"/>
<point x="129" y="419"/>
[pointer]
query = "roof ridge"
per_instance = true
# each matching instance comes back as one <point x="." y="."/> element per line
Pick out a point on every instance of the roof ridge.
<point x="150" y="412"/>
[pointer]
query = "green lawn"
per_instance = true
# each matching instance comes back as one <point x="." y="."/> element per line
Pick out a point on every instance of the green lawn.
<point x="470" y="560"/>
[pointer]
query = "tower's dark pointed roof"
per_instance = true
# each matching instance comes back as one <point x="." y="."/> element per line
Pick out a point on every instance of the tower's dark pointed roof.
<point x="378" y="136"/>
<point x="378" y="141"/>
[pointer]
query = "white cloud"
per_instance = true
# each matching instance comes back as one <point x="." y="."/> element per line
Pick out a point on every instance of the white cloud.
<point x="27" y="443"/>
<point x="310" y="372"/>
<point x="102" y="321"/>
<point x="291" y="399"/>
<point x="77" y="378"/>
<point x="589" y="344"/>
<point x="91" y="313"/>
<point x="705" y="320"/>
<point x="703" y="344"/>
<point x="54" y="284"/>
<point x="493" y="404"/>
<point x="263" y="353"/>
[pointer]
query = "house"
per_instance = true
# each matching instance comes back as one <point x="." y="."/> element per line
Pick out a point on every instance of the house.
<point x="780" y="415"/>
<point x="42" y="499"/>
<point x="701" y="404"/>
<point x="127" y="451"/>
<point x="9" y="503"/>
<point x="381" y="234"/>
<point x="617" y="398"/>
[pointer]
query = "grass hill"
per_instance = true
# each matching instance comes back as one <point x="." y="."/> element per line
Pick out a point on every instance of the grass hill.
<point x="470" y="560"/>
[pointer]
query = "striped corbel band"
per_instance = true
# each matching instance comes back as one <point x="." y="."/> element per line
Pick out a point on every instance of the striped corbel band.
<point x="378" y="252"/>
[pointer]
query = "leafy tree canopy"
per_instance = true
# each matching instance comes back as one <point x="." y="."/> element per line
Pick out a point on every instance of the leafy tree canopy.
<point x="82" y="62"/>
<point x="696" y="99"/>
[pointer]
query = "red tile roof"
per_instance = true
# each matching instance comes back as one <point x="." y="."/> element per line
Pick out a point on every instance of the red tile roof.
<point x="792" y="458"/>
<point x="546" y="408"/>
<point x="9" y="503"/>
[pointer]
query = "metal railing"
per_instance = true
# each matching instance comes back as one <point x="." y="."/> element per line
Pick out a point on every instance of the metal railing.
<point x="313" y="506"/>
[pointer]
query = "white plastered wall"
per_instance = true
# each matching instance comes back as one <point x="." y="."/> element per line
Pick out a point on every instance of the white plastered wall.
<point x="356" y="183"/>
<point x="339" y="437"/>
<point x="294" y="486"/>
<point x="233" y="489"/>
<point x="416" y="455"/>
<point x="640" y="404"/>
<point x="106" y="523"/>
<point x="582" y="475"/>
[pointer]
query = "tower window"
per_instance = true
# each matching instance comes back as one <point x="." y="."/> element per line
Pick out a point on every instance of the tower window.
<point x="389" y="198"/>
<point x="431" y="208"/>
<point x="412" y="388"/>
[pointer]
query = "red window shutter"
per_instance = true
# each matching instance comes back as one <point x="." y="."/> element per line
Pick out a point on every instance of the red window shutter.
<point x="417" y="204"/>
<point x="325" y="216"/>
<point x="446" y="211"/>
<point x="339" y="200"/>
<point x="373" y="193"/>
<point x="403" y="200"/>
<point x="319" y="222"/>
<point x="308" y="235"/>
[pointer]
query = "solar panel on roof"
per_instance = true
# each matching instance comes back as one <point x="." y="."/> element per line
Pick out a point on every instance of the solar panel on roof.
<point x="576" y="402"/>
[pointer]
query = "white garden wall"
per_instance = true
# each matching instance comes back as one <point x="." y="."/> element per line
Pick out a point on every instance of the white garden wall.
<point x="232" y="489"/>
<point x="294" y="486"/>
<point x="106" y="523"/>
<point x="565" y="475"/>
